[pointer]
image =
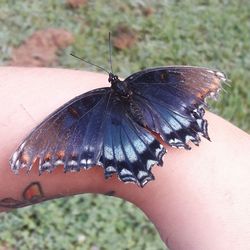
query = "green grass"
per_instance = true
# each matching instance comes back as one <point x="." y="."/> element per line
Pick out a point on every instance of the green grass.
<point x="80" y="222"/>
<point x="213" y="33"/>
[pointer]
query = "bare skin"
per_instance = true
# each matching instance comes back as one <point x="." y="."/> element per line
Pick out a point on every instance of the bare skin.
<point x="199" y="200"/>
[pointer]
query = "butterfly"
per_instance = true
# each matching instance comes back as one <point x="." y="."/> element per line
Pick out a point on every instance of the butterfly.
<point x="112" y="127"/>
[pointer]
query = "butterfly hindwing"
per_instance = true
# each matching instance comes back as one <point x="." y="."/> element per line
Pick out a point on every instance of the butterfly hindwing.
<point x="128" y="149"/>
<point x="173" y="101"/>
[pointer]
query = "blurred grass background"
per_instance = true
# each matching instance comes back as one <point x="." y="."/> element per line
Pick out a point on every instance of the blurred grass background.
<point x="212" y="33"/>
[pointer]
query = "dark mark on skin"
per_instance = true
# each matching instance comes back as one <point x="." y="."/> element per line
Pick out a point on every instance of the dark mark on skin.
<point x="11" y="203"/>
<point x="32" y="194"/>
<point x="110" y="193"/>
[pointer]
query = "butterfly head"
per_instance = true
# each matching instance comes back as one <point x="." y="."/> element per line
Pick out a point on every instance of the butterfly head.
<point x="121" y="88"/>
<point x="113" y="78"/>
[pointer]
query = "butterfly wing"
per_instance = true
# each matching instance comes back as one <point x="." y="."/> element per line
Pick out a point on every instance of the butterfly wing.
<point x="71" y="136"/>
<point x="172" y="100"/>
<point x="128" y="149"/>
<point x="92" y="129"/>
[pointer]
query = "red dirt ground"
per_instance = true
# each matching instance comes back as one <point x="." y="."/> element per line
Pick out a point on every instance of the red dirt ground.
<point x="40" y="49"/>
<point x="124" y="38"/>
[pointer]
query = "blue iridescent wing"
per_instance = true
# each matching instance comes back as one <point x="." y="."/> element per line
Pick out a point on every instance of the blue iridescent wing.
<point x="71" y="136"/>
<point x="172" y="100"/>
<point x="95" y="128"/>
<point x="128" y="149"/>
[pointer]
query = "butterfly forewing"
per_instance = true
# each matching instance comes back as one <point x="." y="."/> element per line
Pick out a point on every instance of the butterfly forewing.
<point x="70" y="136"/>
<point x="172" y="100"/>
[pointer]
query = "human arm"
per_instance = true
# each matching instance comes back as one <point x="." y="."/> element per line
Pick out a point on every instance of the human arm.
<point x="200" y="199"/>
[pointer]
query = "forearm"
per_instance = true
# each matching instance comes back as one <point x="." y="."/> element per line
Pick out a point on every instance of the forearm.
<point x="199" y="200"/>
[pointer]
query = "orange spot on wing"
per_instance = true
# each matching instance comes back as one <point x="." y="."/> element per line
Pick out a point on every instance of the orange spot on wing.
<point x="47" y="157"/>
<point x="73" y="112"/>
<point x="25" y="158"/>
<point x="163" y="76"/>
<point x="60" y="154"/>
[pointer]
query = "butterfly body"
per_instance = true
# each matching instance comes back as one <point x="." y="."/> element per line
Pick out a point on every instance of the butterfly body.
<point x="112" y="127"/>
<point x="120" y="88"/>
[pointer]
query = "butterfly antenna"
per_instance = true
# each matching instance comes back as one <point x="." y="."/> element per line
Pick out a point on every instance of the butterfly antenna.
<point x="110" y="53"/>
<point x="89" y="62"/>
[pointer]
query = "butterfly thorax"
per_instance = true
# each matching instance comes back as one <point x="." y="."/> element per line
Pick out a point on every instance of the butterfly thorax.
<point x="121" y="88"/>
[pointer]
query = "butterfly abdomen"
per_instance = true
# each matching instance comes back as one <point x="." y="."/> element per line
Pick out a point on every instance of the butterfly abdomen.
<point x="136" y="113"/>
